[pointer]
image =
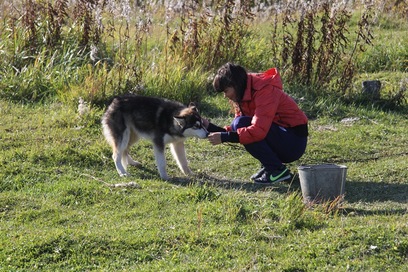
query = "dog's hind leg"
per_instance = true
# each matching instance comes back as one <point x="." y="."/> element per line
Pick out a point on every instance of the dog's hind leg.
<point x="133" y="139"/>
<point x="179" y="154"/>
<point x="132" y="162"/>
<point x="160" y="160"/>
<point x="117" y="158"/>
<point x="119" y="153"/>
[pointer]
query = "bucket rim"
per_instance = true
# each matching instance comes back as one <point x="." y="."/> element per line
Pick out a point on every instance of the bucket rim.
<point x="322" y="166"/>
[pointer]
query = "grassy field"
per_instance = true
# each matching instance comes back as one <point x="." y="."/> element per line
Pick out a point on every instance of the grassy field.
<point x="58" y="213"/>
<point x="59" y="210"/>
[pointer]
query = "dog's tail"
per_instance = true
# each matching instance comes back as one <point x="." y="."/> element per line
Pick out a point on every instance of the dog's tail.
<point x="113" y="124"/>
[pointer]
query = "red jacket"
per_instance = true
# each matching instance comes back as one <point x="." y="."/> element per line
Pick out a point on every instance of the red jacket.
<point x="265" y="101"/>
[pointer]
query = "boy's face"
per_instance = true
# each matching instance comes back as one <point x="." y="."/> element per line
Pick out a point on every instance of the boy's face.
<point x="230" y="93"/>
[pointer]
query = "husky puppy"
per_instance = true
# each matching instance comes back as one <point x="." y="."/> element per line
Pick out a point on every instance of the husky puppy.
<point x="131" y="117"/>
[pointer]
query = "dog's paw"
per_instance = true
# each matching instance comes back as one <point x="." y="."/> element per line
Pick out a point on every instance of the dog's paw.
<point x="123" y="175"/>
<point x="165" y="177"/>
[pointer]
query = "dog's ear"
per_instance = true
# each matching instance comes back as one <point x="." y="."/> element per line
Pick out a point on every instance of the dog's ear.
<point x="193" y="106"/>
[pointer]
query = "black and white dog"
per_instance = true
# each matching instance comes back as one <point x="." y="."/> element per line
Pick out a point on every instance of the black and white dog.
<point x="131" y="117"/>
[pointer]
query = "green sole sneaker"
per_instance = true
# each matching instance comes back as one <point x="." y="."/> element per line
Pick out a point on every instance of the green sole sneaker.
<point x="273" y="177"/>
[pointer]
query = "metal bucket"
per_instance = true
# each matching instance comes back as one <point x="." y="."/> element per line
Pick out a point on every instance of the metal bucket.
<point x="324" y="182"/>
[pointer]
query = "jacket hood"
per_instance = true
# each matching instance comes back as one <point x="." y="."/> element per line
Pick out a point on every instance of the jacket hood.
<point x="257" y="81"/>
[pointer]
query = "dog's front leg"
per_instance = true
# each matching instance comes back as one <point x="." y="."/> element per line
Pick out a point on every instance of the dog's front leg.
<point x="160" y="160"/>
<point x="179" y="154"/>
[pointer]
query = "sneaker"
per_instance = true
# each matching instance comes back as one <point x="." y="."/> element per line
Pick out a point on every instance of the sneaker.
<point x="258" y="174"/>
<point x="269" y="177"/>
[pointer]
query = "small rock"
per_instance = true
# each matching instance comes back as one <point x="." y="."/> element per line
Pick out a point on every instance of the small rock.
<point x="371" y="89"/>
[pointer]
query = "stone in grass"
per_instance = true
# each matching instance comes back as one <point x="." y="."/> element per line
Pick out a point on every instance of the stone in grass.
<point x="371" y="89"/>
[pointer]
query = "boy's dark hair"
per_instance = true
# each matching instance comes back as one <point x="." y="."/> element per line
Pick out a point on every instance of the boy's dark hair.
<point x="231" y="75"/>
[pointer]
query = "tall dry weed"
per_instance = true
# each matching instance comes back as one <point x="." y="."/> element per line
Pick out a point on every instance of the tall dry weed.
<point x="314" y="42"/>
<point x="210" y="34"/>
<point x="309" y="39"/>
<point x="45" y="20"/>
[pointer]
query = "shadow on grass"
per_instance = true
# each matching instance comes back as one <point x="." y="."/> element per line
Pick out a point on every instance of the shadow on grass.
<point x="360" y="212"/>
<point x="282" y="187"/>
<point x="357" y="191"/>
<point x="375" y="192"/>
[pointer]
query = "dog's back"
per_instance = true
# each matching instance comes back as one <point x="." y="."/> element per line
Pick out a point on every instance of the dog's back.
<point x="130" y="117"/>
<point x="145" y="114"/>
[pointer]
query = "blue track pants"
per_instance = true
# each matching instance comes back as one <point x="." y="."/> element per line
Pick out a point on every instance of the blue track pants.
<point x="281" y="145"/>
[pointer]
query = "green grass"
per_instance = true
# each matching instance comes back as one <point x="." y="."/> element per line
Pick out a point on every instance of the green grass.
<point x="57" y="214"/>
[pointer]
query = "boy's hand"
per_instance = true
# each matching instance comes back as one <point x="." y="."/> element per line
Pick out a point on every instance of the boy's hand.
<point x="215" y="138"/>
